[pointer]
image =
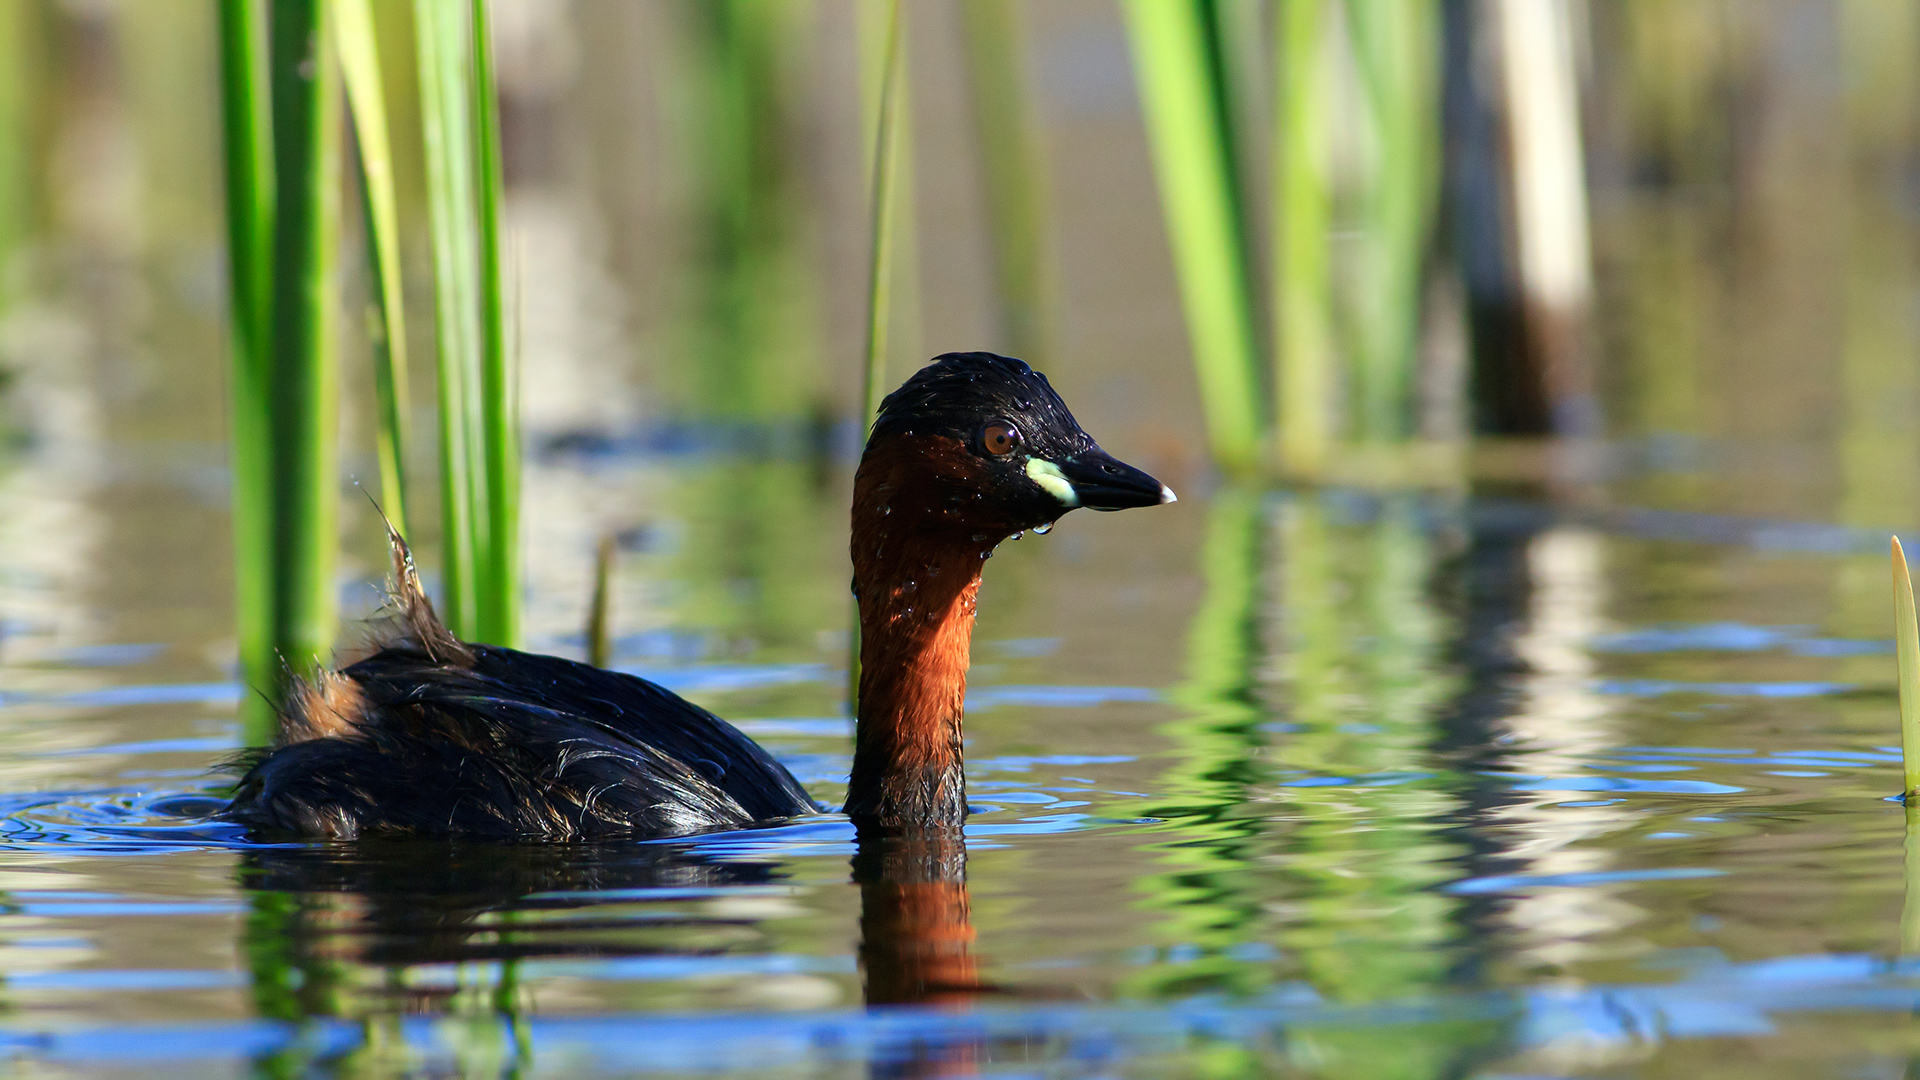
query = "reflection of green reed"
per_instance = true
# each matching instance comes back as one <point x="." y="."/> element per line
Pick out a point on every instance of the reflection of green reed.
<point x="1205" y="886"/>
<point x="1362" y="661"/>
<point x="287" y="986"/>
<point x="1360" y="653"/>
<point x="290" y="939"/>
<point x="1910" y="907"/>
<point x="751" y="358"/>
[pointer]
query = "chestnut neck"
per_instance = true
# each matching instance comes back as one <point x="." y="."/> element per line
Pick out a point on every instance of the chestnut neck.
<point x="916" y="572"/>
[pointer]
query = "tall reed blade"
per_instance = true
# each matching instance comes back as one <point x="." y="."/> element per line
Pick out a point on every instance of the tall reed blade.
<point x="1011" y="159"/>
<point x="303" y="396"/>
<point x="447" y="130"/>
<point x="1396" y="46"/>
<point x="25" y="34"/>
<point x="248" y="129"/>
<point x="497" y="587"/>
<point x="1304" y="351"/>
<point x="600" y="608"/>
<point x="360" y="69"/>
<point x="884" y="164"/>
<point x="1906" y="635"/>
<point x="1191" y="137"/>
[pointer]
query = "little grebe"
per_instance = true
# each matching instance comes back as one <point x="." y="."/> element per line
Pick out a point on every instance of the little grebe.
<point x="433" y="736"/>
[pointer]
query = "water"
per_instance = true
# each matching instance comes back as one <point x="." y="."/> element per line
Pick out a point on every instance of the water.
<point x="1576" y="768"/>
<point x="1303" y="784"/>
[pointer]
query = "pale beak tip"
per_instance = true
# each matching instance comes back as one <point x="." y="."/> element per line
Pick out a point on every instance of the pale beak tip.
<point x="1167" y="495"/>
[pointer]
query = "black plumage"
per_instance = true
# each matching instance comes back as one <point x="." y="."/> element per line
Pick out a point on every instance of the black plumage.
<point x="430" y="736"/>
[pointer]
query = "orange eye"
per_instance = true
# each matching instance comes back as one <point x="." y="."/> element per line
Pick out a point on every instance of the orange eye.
<point x="1000" y="438"/>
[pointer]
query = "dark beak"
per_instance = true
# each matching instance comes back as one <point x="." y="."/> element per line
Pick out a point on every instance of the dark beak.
<point x="1103" y="482"/>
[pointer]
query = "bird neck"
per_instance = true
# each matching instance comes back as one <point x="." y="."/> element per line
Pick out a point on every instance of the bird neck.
<point x="916" y="576"/>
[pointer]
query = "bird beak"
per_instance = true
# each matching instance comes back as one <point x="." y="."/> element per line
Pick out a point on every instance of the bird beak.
<point x="1099" y="481"/>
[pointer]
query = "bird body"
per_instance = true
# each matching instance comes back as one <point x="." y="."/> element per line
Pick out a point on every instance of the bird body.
<point x="433" y="736"/>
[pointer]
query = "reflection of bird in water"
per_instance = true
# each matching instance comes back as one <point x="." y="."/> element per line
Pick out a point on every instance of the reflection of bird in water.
<point x="395" y="904"/>
<point x="432" y="736"/>
<point x="916" y="942"/>
<point x="403" y="902"/>
<point x="916" y="926"/>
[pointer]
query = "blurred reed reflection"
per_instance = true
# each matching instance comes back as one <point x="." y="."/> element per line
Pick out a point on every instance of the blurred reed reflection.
<point x="1203" y="889"/>
<point x="1315" y="818"/>
<point x="1363" y="809"/>
<point x="379" y="930"/>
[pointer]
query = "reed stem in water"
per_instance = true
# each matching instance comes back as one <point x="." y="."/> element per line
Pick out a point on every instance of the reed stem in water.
<point x="360" y="70"/>
<point x="1305" y="360"/>
<point x="303" y="394"/>
<point x="1190" y="132"/>
<point x="248" y="130"/>
<point x="498" y="583"/>
<point x="1012" y="165"/>
<point x="441" y="32"/>
<point x="1396" y="46"/>
<point x="600" y="610"/>
<point x="1906" y="636"/>
<point x="884" y="164"/>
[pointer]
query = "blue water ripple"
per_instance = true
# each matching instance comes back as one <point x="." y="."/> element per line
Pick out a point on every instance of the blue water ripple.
<point x="1615" y="783"/>
<point x="1663" y="687"/>
<point x="1499" y="883"/>
<point x="1734" y="637"/>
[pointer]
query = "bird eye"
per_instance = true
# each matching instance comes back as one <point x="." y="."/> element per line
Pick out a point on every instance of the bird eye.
<point x="1000" y="438"/>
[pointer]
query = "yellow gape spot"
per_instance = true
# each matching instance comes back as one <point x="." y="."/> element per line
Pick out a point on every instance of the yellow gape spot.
<point x="1048" y="475"/>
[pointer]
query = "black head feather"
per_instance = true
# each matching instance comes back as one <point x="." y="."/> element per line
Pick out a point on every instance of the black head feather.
<point x="1053" y="466"/>
<point x="958" y="394"/>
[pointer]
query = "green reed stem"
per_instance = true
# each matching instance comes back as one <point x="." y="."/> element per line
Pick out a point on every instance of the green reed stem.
<point x="1013" y="167"/>
<point x="600" y="609"/>
<point x="497" y="587"/>
<point x="447" y="130"/>
<point x="1191" y="138"/>
<point x="246" y="107"/>
<point x="885" y="165"/>
<point x="1303" y="342"/>
<point x="360" y="68"/>
<point x="303" y="395"/>
<point x="1906" y="636"/>
<point x="1396" y="46"/>
<point x="24" y="121"/>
